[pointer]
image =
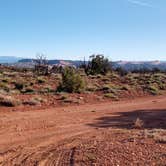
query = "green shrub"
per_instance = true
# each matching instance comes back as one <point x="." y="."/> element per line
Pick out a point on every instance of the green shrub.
<point x="71" y="81"/>
<point x="153" y="90"/>
<point x="162" y="86"/>
<point x="98" y="65"/>
<point x="19" y="86"/>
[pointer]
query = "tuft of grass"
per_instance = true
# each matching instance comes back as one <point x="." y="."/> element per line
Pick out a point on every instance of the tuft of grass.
<point x="64" y="97"/>
<point x="91" y="157"/>
<point x="159" y="135"/>
<point x="138" y="123"/>
<point x="5" y="86"/>
<point x="8" y="101"/>
<point x="68" y="100"/>
<point x="160" y="139"/>
<point x="125" y="87"/>
<point x="111" y="96"/>
<point x="91" y="88"/>
<point x="33" y="102"/>
<point x="105" y="79"/>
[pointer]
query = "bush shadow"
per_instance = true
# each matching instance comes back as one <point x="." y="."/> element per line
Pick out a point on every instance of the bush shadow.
<point x="155" y="118"/>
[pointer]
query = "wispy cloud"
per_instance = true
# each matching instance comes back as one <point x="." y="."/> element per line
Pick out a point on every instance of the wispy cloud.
<point x="140" y="3"/>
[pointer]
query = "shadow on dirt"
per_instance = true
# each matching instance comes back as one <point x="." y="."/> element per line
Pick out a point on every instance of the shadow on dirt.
<point x="151" y="118"/>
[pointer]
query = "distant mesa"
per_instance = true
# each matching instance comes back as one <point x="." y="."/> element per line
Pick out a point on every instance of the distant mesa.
<point x="127" y="65"/>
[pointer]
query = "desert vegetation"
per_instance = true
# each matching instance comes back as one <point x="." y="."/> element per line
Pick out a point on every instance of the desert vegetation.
<point x="89" y="104"/>
<point x="91" y="82"/>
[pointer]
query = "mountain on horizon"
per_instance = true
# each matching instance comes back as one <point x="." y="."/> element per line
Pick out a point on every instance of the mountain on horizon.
<point x="9" y="59"/>
<point x="127" y="65"/>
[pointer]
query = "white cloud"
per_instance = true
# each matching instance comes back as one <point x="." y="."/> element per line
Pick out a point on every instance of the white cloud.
<point x="140" y="3"/>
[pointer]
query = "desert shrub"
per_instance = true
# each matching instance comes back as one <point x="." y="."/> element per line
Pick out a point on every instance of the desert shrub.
<point x="149" y="82"/>
<point x="57" y="76"/>
<point x="63" y="97"/>
<point x="111" y="96"/>
<point x="105" y="87"/>
<point x="98" y="65"/>
<point x="3" y="92"/>
<point x="110" y="88"/>
<point x="125" y="87"/>
<point x="93" y="77"/>
<point x="162" y="86"/>
<point x="5" y="80"/>
<point x="71" y="81"/>
<point x="9" y="101"/>
<point x="31" y="84"/>
<point x="40" y="80"/>
<point x="68" y="100"/>
<point x="32" y="102"/>
<point x="153" y="90"/>
<point x="99" y="76"/>
<point x="19" y="86"/>
<point x="45" y="90"/>
<point x="91" y="88"/>
<point x="105" y="79"/>
<point x="121" y="71"/>
<point x="5" y="86"/>
<point x="28" y="90"/>
<point x="49" y="89"/>
<point x="114" y="76"/>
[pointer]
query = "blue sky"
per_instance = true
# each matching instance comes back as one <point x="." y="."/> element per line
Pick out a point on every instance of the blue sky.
<point x="72" y="29"/>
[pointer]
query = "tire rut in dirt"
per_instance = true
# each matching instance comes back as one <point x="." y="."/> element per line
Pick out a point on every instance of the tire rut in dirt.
<point x="41" y="157"/>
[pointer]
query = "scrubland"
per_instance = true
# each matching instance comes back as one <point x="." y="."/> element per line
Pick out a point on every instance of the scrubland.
<point x="83" y="119"/>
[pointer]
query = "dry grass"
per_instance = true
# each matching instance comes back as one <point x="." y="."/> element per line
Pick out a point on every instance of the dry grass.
<point x="159" y="135"/>
<point x="9" y="101"/>
<point x="138" y="123"/>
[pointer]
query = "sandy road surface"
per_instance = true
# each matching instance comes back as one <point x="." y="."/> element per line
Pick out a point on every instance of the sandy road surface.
<point x="37" y="137"/>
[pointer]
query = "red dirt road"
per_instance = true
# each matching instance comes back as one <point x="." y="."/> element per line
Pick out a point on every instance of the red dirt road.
<point x="61" y="136"/>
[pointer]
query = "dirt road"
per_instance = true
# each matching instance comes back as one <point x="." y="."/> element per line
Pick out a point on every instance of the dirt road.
<point x="51" y="137"/>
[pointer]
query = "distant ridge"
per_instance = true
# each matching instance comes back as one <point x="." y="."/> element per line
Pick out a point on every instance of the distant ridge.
<point x="55" y="62"/>
<point x="137" y="65"/>
<point x="127" y="65"/>
<point x="9" y="59"/>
